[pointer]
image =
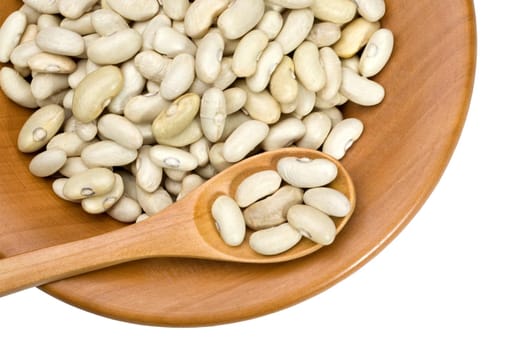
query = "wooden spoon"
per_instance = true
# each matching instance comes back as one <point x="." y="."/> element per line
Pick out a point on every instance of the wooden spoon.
<point x="185" y="229"/>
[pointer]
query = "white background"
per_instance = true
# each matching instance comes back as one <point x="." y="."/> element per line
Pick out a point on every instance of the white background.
<point x="454" y="278"/>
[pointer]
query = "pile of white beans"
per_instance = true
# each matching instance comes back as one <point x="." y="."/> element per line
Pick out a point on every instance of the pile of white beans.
<point x="140" y="101"/>
<point x="281" y="215"/>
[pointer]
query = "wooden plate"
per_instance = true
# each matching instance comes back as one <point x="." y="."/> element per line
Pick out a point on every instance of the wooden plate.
<point x="407" y="144"/>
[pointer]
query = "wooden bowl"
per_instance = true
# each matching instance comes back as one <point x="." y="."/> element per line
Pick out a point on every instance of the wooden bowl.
<point x="407" y="144"/>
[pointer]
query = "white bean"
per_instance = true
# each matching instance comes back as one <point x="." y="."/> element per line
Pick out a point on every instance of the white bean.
<point x="312" y="223"/>
<point x="268" y="62"/>
<point x="201" y="14"/>
<point x="116" y="48"/>
<point x="145" y="108"/>
<point x="95" y="91"/>
<point x="329" y="201"/>
<point x="248" y="52"/>
<point x="107" y="22"/>
<point x="295" y="29"/>
<point x="306" y="172"/>
<point x="47" y="7"/>
<point x="354" y="37"/>
<point x="69" y="142"/>
<point x="240" y="17"/>
<point x="47" y="163"/>
<point x="342" y="137"/>
<point x="11" y="33"/>
<point x="308" y="67"/>
<point x="154" y="202"/>
<point x="336" y="11"/>
<point x="284" y="134"/>
<point x="119" y="129"/>
<point x="257" y="186"/>
<point x="209" y="56"/>
<point x="325" y="34"/>
<point x="372" y="10"/>
<point x="229" y="220"/>
<point x="135" y="10"/>
<point x="132" y="86"/>
<point x="272" y="210"/>
<point x="361" y="90"/>
<point x="126" y="210"/>
<point x="179" y="77"/>
<point x="173" y="158"/>
<point x="244" y="139"/>
<point x="92" y="182"/>
<point x="376" y="53"/>
<point x="169" y="42"/>
<point x="148" y="173"/>
<point x="75" y="8"/>
<point x="333" y="72"/>
<point x="60" y="41"/>
<point x="175" y="9"/>
<point x="39" y="128"/>
<point x="73" y="166"/>
<point x="107" y="154"/>
<point x="275" y="240"/>
<point x="45" y="85"/>
<point x="213" y="114"/>
<point x="177" y="117"/>
<point x="317" y="127"/>
<point x="100" y="204"/>
<point x="271" y="24"/>
<point x="16" y="88"/>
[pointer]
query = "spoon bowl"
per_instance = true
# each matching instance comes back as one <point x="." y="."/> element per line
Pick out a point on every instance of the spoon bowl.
<point x="185" y="229"/>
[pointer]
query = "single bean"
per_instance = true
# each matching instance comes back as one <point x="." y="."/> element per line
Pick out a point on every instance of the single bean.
<point x="47" y="163"/>
<point x="257" y="186"/>
<point x="92" y="182"/>
<point x="16" y="88"/>
<point x="135" y="10"/>
<point x="60" y="41"/>
<point x="240" y="17"/>
<point x="116" y="48"/>
<point x="361" y="90"/>
<point x="229" y="220"/>
<point x="10" y="34"/>
<point x="272" y="210"/>
<point x="296" y="28"/>
<point x="306" y="172"/>
<point x="173" y="158"/>
<point x="40" y="127"/>
<point x="107" y="154"/>
<point x="354" y="37"/>
<point x="119" y="129"/>
<point x="213" y="114"/>
<point x="275" y="240"/>
<point x="335" y="11"/>
<point x="312" y="223"/>
<point x="95" y="92"/>
<point x="342" y="137"/>
<point x="329" y="201"/>
<point x="100" y="204"/>
<point x="177" y="117"/>
<point x="376" y="53"/>
<point x="126" y="210"/>
<point x="244" y="139"/>
<point x="284" y="134"/>
<point x="148" y="174"/>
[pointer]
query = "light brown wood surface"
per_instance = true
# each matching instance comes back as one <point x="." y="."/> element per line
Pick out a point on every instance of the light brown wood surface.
<point x="406" y="146"/>
<point x="185" y="229"/>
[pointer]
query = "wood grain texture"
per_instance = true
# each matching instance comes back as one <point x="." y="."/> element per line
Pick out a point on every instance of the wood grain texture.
<point x="185" y="229"/>
<point x="406" y="146"/>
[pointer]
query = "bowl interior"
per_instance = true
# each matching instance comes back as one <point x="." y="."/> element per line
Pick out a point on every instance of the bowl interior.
<point x="406" y="146"/>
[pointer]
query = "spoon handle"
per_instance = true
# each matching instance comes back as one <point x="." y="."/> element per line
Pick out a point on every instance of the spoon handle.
<point x="170" y="233"/>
